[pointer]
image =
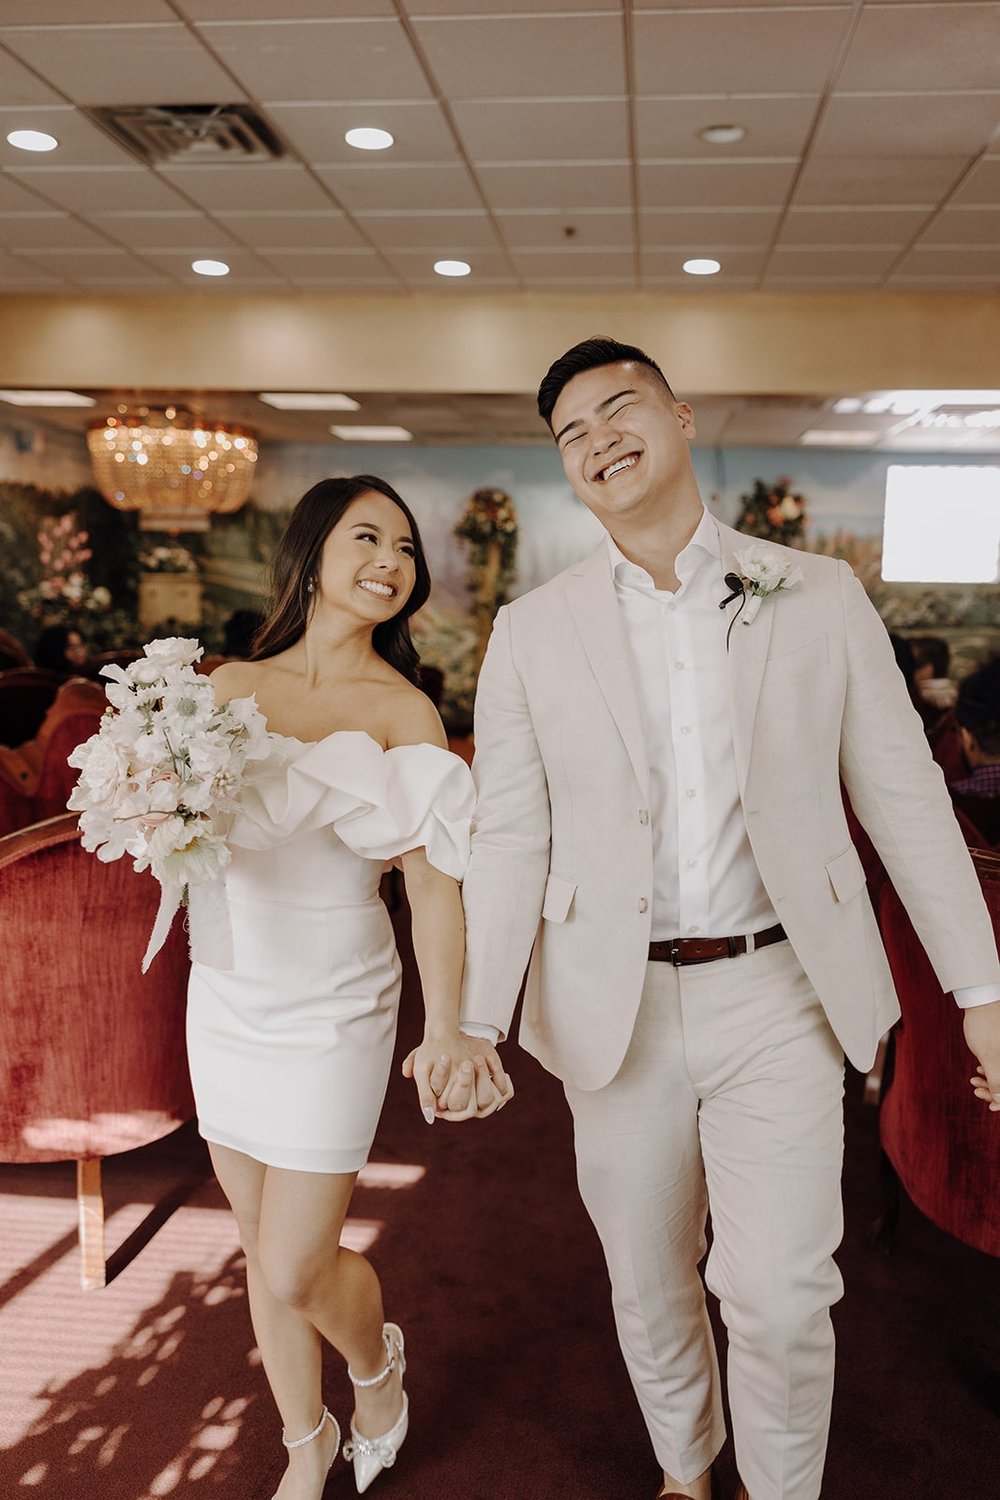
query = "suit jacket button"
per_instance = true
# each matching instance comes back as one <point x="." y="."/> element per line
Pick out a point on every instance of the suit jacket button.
<point x="643" y="905"/>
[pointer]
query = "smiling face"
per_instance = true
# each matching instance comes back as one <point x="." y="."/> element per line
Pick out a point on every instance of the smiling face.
<point x="625" y="443"/>
<point x="368" y="562"/>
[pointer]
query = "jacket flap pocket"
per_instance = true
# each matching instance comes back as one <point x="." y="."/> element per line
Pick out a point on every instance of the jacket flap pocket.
<point x="559" y="895"/>
<point x="846" y="872"/>
<point x="805" y="658"/>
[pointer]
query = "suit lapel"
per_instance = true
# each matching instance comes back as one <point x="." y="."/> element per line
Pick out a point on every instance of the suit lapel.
<point x="747" y="657"/>
<point x="594" y="605"/>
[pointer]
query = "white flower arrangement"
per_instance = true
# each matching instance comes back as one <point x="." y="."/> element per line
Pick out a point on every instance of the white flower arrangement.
<point x="763" y="572"/>
<point x="165" y="763"/>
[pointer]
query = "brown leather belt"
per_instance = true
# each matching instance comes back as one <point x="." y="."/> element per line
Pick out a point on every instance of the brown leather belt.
<point x="678" y="951"/>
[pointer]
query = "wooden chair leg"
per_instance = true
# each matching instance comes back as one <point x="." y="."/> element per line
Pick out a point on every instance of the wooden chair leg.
<point x="90" y="1202"/>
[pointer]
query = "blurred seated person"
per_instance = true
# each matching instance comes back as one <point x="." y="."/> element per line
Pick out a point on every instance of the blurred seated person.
<point x="978" y="714"/>
<point x="238" y="632"/>
<point x="62" y="649"/>
<point x="12" y="653"/>
<point x="936" y="691"/>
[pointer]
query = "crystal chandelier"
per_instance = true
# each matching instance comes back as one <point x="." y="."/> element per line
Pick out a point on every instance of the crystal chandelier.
<point x="173" y="467"/>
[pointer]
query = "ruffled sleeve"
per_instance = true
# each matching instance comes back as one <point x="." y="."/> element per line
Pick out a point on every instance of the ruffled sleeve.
<point x="381" y="803"/>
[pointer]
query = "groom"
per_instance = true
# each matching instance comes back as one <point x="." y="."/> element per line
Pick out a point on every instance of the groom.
<point x="661" y="831"/>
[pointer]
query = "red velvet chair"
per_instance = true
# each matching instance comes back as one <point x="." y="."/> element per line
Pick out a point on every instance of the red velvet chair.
<point x="35" y="779"/>
<point x="940" y="1141"/>
<point x="92" y="1053"/>
<point x="25" y="696"/>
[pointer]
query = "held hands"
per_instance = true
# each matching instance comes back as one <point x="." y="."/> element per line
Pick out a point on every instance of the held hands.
<point x="458" y="1078"/>
<point x="982" y="1033"/>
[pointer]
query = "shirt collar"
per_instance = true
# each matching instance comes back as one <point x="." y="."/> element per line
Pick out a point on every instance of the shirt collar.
<point x="704" y="544"/>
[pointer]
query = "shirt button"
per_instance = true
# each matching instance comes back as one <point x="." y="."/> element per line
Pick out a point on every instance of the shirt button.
<point x="679" y="665"/>
<point x="685" y="729"/>
<point x="643" y="905"/>
<point x="672" y="605"/>
<point x="694" y="929"/>
<point x="643" y="816"/>
<point x="692" y="863"/>
<point x="691" y="792"/>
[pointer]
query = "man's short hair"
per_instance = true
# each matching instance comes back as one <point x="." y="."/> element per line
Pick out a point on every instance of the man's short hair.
<point x="592" y="354"/>
<point x="978" y="706"/>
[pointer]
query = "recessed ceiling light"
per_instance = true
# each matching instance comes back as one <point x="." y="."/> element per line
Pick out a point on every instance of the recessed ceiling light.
<point x="367" y="138"/>
<point x="45" y="398"/>
<point x="32" y="140"/>
<point x="817" y="437"/>
<point x="372" y="434"/>
<point x="848" y="405"/>
<point x="452" y="267"/>
<point x="210" y="267"/>
<point x="308" y="401"/>
<point x="701" y="267"/>
<point x="722" y="135"/>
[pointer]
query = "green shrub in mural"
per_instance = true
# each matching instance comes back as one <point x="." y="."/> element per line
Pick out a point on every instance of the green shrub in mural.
<point x="489" y="525"/>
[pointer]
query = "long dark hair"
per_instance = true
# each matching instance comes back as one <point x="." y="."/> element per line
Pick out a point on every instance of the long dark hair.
<point x="295" y="566"/>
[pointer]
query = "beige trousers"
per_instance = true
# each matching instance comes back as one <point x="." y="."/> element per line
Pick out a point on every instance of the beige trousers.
<point x="730" y="1099"/>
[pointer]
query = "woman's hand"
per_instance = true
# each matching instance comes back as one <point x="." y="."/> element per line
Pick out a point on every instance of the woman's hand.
<point x="458" y="1078"/>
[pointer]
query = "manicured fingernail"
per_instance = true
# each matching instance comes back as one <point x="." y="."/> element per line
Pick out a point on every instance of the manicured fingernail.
<point x="429" y="1115"/>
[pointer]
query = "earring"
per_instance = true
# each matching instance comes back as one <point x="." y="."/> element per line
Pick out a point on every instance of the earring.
<point x="310" y="587"/>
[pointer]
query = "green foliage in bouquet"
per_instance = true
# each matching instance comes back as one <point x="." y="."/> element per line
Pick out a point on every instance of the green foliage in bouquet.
<point x="773" y="512"/>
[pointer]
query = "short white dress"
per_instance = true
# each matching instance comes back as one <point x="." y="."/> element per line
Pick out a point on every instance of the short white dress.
<point x="295" y="982"/>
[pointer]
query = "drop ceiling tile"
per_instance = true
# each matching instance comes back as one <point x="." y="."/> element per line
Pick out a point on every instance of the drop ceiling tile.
<point x="15" y="197"/>
<point x="528" y="56"/>
<point x="74" y="264"/>
<point x="119" y="283"/>
<point x="819" y="261"/>
<point x="445" y="234"/>
<point x="296" y="10"/>
<point x="463" y="286"/>
<point x="735" y="262"/>
<point x="316" y="60"/>
<point x="273" y="187"/>
<point x="982" y="184"/>
<point x="418" y="8"/>
<point x="558" y="187"/>
<point x="530" y="229"/>
<point x="581" y="282"/>
<point x="774" y="126"/>
<point x="91" y="190"/>
<point x="924" y="124"/>
<point x="21" y="275"/>
<point x="697" y="227"/>
<point x="123" y="64"/>
<point x="20" y="88"/>
<point x="724" y="51"/>
<point x="778" y="282"/>
<point x="592" y="264"/>
<point x="81" y="144"/>
<point x="964" y="226"/>
<point x="344" y="264"/>
<point x="942" y="283"/>
<point x="431" y="186"/>
<point x="67" y="12"/>
<point x="29" y="232"/>
<point x="852" y="226"/>
<point x="293" y="231"/>
<point x="700" y="184"/>
<point x="972" y="260"/>
<point x="379" y="284"/>
<point x="953" y="45"/>
<point x="317" y="131"/>
<point x="879" y="180"/>
<point x="543" y="129"/>
<point x="185" y="231"/>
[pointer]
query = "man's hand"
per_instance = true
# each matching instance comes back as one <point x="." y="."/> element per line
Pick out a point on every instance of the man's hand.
<point x="982" y="1033"/>
<point x="460" y="1078"/>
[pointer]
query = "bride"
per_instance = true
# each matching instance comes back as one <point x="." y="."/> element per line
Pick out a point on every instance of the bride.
<point x="291" y="1040"/>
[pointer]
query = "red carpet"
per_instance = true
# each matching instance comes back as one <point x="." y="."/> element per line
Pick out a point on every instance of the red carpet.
<point x="151" y="1388"/>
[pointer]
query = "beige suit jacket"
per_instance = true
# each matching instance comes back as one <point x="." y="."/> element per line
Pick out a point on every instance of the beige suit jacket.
<point x="561" y="872"/>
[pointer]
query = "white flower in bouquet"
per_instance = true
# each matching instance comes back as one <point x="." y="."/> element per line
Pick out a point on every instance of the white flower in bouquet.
<point x="164" y="766"/>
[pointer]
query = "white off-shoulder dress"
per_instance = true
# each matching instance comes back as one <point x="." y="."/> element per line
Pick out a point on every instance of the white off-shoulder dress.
<point x="295" y="982"/>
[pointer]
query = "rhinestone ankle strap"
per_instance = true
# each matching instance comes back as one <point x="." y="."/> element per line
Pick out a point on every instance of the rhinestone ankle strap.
<point x="390" y="1365"/>
<point x="310" y="1436"/>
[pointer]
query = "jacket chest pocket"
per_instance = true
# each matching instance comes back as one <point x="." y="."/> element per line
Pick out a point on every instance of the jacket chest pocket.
<point x="806" y="658"/>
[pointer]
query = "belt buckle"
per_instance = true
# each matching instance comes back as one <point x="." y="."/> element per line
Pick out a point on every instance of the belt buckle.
<point x="675" y="953"/>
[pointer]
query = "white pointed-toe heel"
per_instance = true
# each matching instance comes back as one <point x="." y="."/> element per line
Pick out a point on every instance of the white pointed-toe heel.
<point x="371" y="1455"/>
<point x="311" y="1437"/>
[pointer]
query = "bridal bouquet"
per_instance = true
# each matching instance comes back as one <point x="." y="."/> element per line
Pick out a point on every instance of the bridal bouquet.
<point x="165" y="763"/>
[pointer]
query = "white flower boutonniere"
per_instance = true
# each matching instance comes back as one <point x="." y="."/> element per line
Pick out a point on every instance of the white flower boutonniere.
<point x="763" y="572"/>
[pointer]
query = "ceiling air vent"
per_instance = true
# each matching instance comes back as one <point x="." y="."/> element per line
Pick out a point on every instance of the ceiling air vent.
<point x="190" y="133"/>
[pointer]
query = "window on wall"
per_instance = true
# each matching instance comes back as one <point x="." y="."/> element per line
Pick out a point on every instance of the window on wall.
<point x="942" y="524"/>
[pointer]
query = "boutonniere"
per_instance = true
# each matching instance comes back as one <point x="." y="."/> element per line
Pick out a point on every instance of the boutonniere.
<point x="763" y="572"/>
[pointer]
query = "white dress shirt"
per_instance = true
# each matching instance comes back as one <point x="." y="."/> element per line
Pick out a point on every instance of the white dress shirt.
<point x="705" y="878"/>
